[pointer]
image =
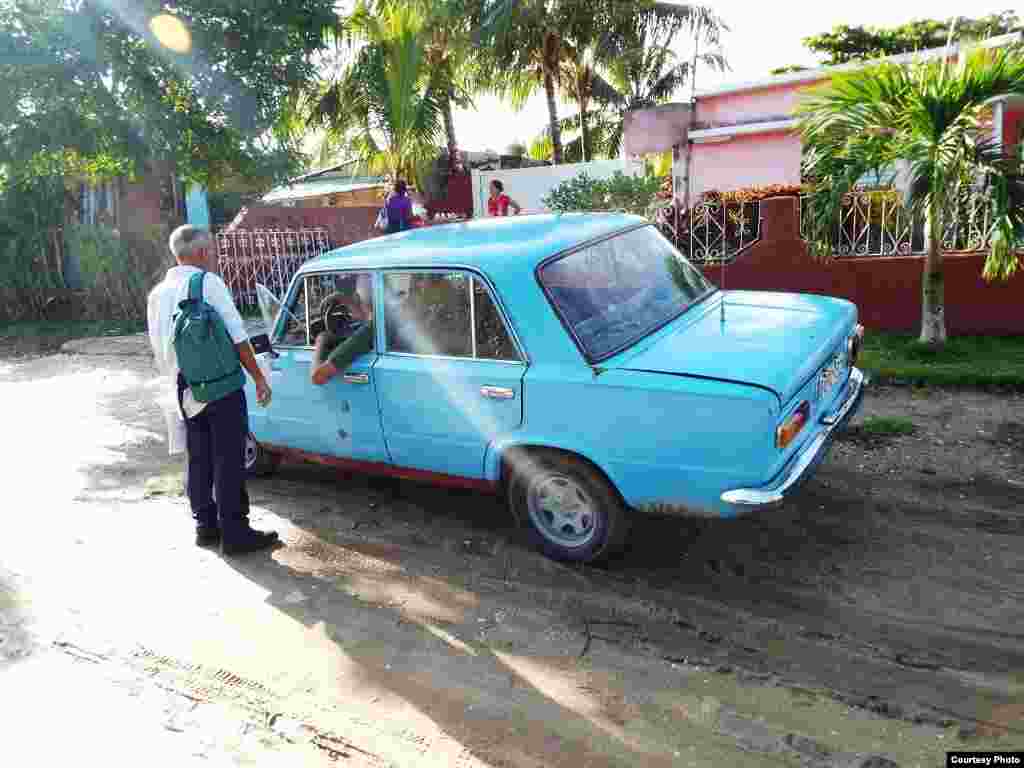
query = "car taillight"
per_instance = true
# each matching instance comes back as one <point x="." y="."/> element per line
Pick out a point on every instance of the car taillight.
<point x="854" y="344"/>
<point x="791" y="427"/>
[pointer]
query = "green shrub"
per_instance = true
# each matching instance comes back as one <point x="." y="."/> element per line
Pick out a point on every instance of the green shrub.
<point x="630" y="194"/>
<point x="117" y="270"/>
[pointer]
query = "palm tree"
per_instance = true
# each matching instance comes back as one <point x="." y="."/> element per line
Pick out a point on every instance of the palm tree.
<point x="931" y="117"/>
<point x="385" y="104"/>
<point x="638" y="66"/>
<point x="583" y="84"/>
<point x="529" y="51"/>
<point x="451" y="59"/>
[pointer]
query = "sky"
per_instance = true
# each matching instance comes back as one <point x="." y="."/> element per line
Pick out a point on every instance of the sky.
<point x="763" y="35"/>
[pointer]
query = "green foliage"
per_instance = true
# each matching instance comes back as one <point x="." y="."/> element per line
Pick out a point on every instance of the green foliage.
<point x="385" y="105"/>
<point x="931" y="116"/>
<point x="117" y="270"/>
<point x="638" y="66"/>
<point x="91" y="79"/>
<point x="632" y="194"/>
<point x="848" y="43"/>
<point x="91" y="94"/>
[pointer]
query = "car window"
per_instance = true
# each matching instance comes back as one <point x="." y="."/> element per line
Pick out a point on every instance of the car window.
<point x="427" y="313"/>
<point x="613" y="293"/>
<point x="305" y="317"/>
<point x="292" y="332"/>
<point x="492" y="337"/>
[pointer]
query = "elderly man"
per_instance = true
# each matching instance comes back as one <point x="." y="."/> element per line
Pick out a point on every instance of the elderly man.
<point x="214" y="432"/>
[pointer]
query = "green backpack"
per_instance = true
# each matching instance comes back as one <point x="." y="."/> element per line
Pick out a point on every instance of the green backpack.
<point x="207" y="358"/>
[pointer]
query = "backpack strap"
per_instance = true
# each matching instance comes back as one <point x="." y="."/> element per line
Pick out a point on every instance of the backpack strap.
<point x="195" y="286"/>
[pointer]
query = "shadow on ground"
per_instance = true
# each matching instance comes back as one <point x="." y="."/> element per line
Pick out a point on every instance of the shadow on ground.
<point x="868" y="592"/>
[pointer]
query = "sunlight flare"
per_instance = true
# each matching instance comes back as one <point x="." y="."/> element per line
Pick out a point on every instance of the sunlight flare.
<point x="171" y="32"/>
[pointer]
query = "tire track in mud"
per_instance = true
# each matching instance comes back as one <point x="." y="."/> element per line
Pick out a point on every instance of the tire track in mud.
<point x="302" y="724"/>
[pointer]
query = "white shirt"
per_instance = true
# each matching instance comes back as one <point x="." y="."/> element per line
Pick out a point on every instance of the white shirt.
<point x="163" y="306"/>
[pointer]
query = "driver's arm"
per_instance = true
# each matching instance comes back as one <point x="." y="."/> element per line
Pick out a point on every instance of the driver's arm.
<point x="359" y="343"/>
<point x="322" y="370"/>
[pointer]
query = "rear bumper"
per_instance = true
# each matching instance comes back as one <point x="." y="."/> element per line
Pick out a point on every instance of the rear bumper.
<point x="807" y="460"/>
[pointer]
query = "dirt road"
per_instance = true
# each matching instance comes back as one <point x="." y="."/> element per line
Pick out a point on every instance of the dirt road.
<point x="874" y="621"/>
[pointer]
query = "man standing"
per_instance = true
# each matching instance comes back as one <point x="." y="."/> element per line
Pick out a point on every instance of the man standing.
<point x="399" y="208"/>
<point x="215" y="424"/>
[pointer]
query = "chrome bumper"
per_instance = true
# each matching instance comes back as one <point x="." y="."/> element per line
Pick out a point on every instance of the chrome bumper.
<point x="804" y="463"/>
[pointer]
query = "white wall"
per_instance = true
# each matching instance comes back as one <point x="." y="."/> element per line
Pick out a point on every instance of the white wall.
<point x="527" y="186"/>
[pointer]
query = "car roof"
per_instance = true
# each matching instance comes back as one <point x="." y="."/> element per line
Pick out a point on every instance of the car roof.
<point x="491" y="244"/>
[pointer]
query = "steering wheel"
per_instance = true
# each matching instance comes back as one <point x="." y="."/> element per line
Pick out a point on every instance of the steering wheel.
<point x="336" y="315"/>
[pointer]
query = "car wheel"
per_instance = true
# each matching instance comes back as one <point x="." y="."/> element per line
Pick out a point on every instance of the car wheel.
<point x="259" y="462"/>
<point x="572" y="512"/>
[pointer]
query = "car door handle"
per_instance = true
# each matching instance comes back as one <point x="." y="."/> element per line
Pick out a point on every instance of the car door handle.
<point x="356" y="378"/>
<point x="498" y="393"/>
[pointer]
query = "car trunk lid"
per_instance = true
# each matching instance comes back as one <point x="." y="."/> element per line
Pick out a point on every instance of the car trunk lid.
<point x="776" y="341"/>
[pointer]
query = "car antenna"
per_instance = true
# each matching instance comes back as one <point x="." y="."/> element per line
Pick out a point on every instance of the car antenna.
<point x="723" y="287"/>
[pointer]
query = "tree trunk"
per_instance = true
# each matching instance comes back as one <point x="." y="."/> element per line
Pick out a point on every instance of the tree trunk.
<point x="584" y="132"/>
<point x="556" y="131"/>
<point x="449" y="128"/>
<point x="933" y="293"/>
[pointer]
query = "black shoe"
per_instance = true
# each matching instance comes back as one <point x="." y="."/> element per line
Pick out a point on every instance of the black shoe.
<point x="247" y="540"/>
<point x="207" y="535"/>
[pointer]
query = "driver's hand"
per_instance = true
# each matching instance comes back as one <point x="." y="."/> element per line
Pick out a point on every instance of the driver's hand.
<point x="323" y="373"/>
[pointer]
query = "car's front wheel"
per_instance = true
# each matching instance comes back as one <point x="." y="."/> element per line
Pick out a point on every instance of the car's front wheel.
<point x="259" y="462"/>
<point x="573" y="513"/>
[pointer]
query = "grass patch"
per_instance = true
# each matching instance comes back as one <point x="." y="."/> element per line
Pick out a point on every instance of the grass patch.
<point x="886" y="426"/>
<point x="44" y="336"/>
<point x="964" y="361"/>
<point x="877" y="431"/>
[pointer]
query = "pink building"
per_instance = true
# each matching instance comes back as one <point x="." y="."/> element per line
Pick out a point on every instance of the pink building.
<point x="743" y="134"/>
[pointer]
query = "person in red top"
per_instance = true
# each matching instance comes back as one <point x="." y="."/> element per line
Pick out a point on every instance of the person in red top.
<point x="499" y="203"/>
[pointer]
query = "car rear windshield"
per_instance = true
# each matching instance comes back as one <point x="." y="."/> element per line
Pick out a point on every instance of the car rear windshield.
<point x="613" y="293"/>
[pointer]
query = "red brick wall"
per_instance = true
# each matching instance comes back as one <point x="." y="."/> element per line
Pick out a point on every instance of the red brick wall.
<point x="346" y="225"/>
<point x="887" y="291"/>
<point x="139" y="203"/>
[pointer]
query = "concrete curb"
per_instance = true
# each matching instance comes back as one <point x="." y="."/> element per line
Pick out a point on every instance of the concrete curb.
<point x="136" y="345"/>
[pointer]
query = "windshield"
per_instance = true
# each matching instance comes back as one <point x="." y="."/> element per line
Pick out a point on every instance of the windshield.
<point x="615" y="292"/>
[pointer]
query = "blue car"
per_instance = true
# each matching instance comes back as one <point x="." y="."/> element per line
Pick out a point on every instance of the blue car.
<point x="577" y="364"/>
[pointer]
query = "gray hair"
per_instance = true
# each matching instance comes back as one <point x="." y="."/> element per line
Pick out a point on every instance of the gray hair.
<point x="186" y="240"/>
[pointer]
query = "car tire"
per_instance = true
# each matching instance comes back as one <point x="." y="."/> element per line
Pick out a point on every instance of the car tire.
<point x="259" y="462"/>
<point x="571" y="511"/>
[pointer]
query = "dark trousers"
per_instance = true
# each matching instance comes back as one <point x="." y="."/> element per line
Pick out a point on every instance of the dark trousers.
<point x="215" y="477"/>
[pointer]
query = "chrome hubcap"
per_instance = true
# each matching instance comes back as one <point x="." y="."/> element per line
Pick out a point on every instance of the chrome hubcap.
<point x="561" y="510"/>
<point x="252" y="450"/>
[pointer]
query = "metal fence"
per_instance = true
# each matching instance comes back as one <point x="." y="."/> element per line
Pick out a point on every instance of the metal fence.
<point x="712" y="232"/>
<point x="875" y="223"/>
<point x="267" y="256"/>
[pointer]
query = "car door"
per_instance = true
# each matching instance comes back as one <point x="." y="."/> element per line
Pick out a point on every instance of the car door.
<point x="449" y="378"/>
<point x="339" y="418"/>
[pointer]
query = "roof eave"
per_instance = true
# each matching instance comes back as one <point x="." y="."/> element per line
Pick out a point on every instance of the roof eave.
<point x="820" y="73"/>
<point x="710" y="135"/>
